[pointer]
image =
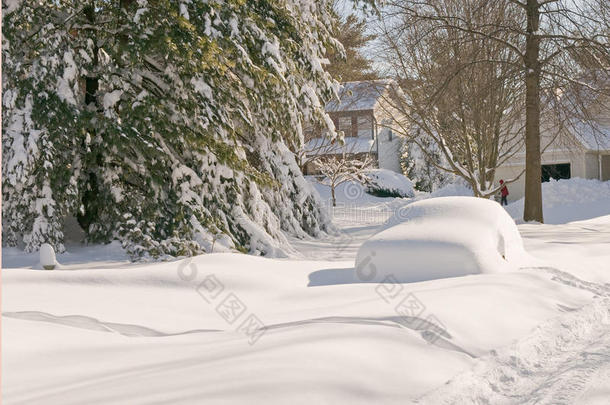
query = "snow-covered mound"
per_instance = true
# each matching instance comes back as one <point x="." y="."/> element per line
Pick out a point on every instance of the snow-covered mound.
<point x="439" y="238"/>
<point x="348" y="193"/>
<point x="47" y="256"/>
<point x="176" y="331"/>
<point x="570" y="200"/>
<point x="386" y="183"/>
<point x="453" y="189"/>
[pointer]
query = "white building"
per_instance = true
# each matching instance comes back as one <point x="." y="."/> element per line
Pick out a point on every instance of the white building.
<point x="361" y="115"/>
<point x="577" y="151"/>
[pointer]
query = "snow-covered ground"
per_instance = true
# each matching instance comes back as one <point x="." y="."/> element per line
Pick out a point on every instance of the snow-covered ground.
<point x="570" y="200"/>
<point x="232" y="328"/>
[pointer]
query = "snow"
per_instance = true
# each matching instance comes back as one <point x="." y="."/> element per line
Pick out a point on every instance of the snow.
<point x="550" y="365"/>
<point x="387" y="180"/>
<point x="453" y="189"/>
<point x="582" y="259"/>
<point x="65" y="82"/>
<point x="355" y="96"/>
<point x="184" y="10"/>
<point x="234" y="26"/>
<point x="47" y="256"/>
<point x="275" y="58"/>
<point x="203" y="88"/>
<point x="352" y="194"/>
<point x="140" y="11"/>
<point x="322" y="146"/>
<point x="111" y="98"/>
<point x="569" y="200"/>
<point x="248" y="125"/>
<point x="438" y="238"/>
<point x="101" y="329"/>
<point x="23" y="151"/>
<point x="593" y="135"/>
<point x="10" y="6"/>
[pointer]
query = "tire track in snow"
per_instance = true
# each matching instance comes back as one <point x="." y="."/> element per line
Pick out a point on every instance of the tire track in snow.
<point x="568" y="279"/>
<point x="574" y="371"/>
<point x="554" y="364"/>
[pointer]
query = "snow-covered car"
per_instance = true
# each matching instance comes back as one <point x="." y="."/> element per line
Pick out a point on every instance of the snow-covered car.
<point x="439" y="238"/>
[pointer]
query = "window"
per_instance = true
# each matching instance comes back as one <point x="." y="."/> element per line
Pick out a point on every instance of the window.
<point x="605" y="169"/>
<point x="345" y="125"/>
<point x="365" y="126"/>
<point x="556" y="171"/>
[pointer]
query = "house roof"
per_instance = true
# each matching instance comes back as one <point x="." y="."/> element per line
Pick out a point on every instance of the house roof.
<point x="593" y="136"/>
<point x="322" y="146"/>
<point x="357" y="96"/>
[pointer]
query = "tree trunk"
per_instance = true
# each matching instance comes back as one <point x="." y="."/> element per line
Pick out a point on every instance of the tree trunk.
<point x="90" y="199"/>
<point x="123" y="37"/>
<point x="532" y="210"/>
<point x="332" y="193"/>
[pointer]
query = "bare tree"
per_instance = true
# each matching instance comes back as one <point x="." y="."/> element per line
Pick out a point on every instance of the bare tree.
<point x="315" y="147"/>
<point x="459" y="106"/>
<point x="343" y="167"/>
<point x="562" y="51"/>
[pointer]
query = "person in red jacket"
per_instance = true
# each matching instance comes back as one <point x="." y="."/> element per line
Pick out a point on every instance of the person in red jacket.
<point x="504" y="193"/>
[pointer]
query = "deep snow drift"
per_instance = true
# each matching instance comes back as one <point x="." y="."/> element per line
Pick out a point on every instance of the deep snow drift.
<point x="563" y="200"/>
<point x="441" y="237"/>
<point x="176" y="332"/>
<point x="570" y="200"/>
<point x="234" y="329"/>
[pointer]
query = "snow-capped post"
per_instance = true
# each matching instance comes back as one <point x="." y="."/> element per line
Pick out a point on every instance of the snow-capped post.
<point x="47" y="257"/>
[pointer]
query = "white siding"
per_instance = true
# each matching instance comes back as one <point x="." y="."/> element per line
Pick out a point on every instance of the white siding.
<point x="389" y="151"/>
<point x="579" y="167"/>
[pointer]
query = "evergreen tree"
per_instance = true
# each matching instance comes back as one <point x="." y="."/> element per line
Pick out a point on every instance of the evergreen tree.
<point x="419" y="166"/>
<point x="163" y="124"/>
<point x="351" y="64"/>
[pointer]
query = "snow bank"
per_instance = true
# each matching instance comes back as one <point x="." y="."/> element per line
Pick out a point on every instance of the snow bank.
<point x="321" y="146"/>
<point x="348" y="193"/>
<point x="382" y="182"/>
<point x="382" y="187"/>
<point x="439" y="238"/>
<point x="570" y="200"/>
<point x="453" y="189"/>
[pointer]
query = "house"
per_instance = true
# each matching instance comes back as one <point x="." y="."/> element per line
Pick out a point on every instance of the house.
<point x="575" y="150"/>
<point x="361" y="113"/>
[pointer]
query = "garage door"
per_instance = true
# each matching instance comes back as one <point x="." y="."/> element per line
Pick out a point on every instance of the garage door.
<point x="556" y="171"/>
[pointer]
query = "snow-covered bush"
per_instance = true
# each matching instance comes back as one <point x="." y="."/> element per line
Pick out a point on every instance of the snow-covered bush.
<point x="439" y="238"/>
<point x="386" y="183"/>
<point x="165" y="125"/>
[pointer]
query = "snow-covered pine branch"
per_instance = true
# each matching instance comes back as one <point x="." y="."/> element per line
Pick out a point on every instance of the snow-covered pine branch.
<point x="162" y="124"/>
